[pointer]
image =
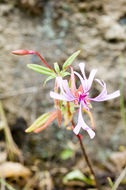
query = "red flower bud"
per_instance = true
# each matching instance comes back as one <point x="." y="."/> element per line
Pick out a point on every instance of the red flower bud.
<point x="26" y="52"/>
<point x="23" y="52"/>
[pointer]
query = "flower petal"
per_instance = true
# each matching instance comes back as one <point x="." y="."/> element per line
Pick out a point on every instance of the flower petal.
<point x="91" y="78"/>
<point x="66" y="88"/>
<point x="111" y="96"/>
<point x="83" y="82"/>
<point x="59" y="83"/>
<point x="73" y="85"/>
<point x="82" y="68"/>
<point x="86" y="83"/>
<point x="61" y="97"/>
<point x="103" y="96"/>
<point x="82" y="124"/>
<point x="91" y="133"/>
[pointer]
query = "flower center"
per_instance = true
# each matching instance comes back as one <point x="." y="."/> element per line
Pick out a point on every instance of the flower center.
<point x="82" y="97"/>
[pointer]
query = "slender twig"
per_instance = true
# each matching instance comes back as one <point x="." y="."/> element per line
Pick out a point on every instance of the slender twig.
<point x="86" y="157"/>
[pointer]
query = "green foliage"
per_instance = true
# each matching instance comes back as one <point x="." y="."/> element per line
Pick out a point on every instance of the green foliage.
<point x="38" y="122"/>
<point x="56" y="67"/>
<point x="70" y="60"/>
<point x="41" y="69"/>
<point x="66" y="154"/>
<point x="64" y="74"/>
<point x="110" y="182"/>
<point x="77" y="175"/>
<point x="51" y="73"/>
<point x="49" y="78"/>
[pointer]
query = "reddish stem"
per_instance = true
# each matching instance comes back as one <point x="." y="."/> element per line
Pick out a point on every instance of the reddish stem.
<point x="43" y="60"/>
<point x="86" y="156"/>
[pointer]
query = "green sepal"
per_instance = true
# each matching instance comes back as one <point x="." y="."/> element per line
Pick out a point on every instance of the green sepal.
<point x="70" y="60"/>
<point x="40" y="69"/>
<point x="56" y="67"/>
<point x="38" y="122"/>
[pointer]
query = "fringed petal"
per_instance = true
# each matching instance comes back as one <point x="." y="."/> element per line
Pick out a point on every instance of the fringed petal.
<point x="91" y="78"/>
<point x="83" y="82"/>
<point x="73" y="85"/>
<point x="82" y="68"/>
<point x="103" y="96"/>
<point x="82" y="124"/>
<point x="66" y="88"/>
<point x="61" y="97"/>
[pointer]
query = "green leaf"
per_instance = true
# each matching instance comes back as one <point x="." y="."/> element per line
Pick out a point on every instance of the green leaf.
<point x="56" y="67"/>
<point x="70" y="60"/>
<point x="38" y="122"/>
<point x="40" y="69"/>
<point x="66" y="154"/>
<point x="77" y="175"/>
<point x="110" y="182"/>
<point x="64" y="74"/>
<point x="49" y="78"/>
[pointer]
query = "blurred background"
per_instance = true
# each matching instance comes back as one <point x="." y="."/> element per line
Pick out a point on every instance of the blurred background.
<point x="56" y="29"/>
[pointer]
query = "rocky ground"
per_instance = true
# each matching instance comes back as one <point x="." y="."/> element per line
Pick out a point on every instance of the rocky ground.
<point x="56" y="29"/>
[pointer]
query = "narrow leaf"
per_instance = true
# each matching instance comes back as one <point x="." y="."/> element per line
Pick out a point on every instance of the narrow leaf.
<point x="49" y="78"/>
<point x="70" y="60"/>
<point x="64" y="74"/>
<point x="40" y="69"/>
<point x="38" y="122"/>
<point x="110" y="182"/>
<point x="56" y="67"/>
<point x="50" y="119"/>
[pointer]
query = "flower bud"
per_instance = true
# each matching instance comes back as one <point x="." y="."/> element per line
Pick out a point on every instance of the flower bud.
<point x="23" y="52"/>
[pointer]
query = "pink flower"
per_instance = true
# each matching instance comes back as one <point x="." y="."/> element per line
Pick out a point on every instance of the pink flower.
<point x="82" y="97"/>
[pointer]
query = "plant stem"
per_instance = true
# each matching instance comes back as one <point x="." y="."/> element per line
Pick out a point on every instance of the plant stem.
<point x="43" y="60"/>
<point x="86" y="157"/>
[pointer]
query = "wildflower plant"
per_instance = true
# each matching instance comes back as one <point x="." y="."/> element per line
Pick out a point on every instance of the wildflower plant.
<point x="68" y="99"/>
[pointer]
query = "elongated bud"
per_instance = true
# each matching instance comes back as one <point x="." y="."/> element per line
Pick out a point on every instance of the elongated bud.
<point x="22" y="52"/>
<point x="26" y="52"/>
